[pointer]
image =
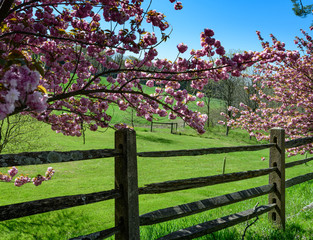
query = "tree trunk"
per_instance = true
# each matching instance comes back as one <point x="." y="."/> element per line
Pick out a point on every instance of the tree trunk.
<point x="227" y="127"/>
<point x="227" y="130"/>
<point x="208" y="108"/>
<point x="132" y="118"/>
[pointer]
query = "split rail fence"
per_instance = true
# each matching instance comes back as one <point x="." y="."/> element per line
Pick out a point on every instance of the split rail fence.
<point x="126" y="191"/>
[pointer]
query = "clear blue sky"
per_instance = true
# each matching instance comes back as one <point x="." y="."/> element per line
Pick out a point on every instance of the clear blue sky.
<point x="233" y="21"/>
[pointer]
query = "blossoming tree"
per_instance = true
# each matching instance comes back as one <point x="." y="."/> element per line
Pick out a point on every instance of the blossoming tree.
<point x="284" y="94"/>
<point x="56" y="63"/>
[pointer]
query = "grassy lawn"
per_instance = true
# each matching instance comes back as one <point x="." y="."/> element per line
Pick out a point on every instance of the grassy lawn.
<point x="97" y="175"/>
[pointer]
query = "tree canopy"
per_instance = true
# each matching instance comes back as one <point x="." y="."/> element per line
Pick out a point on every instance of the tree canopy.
<point x="300" y="9"/>
<point x="57" y="63"/>
<point x="283" y="95"/>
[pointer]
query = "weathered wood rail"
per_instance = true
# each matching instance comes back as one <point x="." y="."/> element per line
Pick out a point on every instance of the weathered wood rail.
<point x="51" y="204"/>
<point x="184" y="184"/>
<point x="203" y="151"/>
<point x="218" y="224"/>
<point x="32" y="158"/>
<point x="126" y="191"/>
<point x="188" y="209"/>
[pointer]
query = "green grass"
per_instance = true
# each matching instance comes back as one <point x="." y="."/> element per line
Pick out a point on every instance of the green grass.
<point x="97" y="175"/>
<point x="119" y="116"/>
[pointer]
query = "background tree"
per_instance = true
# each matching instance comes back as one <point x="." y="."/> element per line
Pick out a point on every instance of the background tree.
<point x="209" y="91"/>
<point x="20" y="133"/>
<point x="230" y="91"/>
<point x="300" y="9"/>
<point x="284" y="98"/>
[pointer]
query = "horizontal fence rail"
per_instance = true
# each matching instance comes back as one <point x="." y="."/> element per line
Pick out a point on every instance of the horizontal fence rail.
<point x="298" y="142"/>
<point x="299" y="162"/>
<point x="32" y="158"/>
<point x="299" y="179"/>
<point x="51" y="204"/>
<point x="99" y="235"/>
<point x="176" y="185"/>
<point x="204" y="151"/>
<point x="188" y="209"/>
<point x="217" y="224"/>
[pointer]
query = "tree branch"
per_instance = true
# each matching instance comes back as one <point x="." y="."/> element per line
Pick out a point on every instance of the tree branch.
<point x="5" y="8"/>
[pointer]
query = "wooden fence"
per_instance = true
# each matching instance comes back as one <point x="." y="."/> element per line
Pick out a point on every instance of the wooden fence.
<point x="126" y="191"/>
<point x="173" y="126"/>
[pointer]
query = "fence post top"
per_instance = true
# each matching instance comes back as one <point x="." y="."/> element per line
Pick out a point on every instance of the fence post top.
<point x="130" y="130"/>
<point x="277" y="128"/>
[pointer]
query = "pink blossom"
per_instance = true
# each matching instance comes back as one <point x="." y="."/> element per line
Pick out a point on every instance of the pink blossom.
<point x="150" y="83"/>
<point x="218" y="62"/>
<point x="19" y="181"/>
<point x="220" y="51"/>
<point x="162" y="113"/>
<point x="209" y="32"/>
<point x="178" y="6"/>
<point x="49" y="173"/>
<point x="93" y="127"/>
<point x="110" y="52"/>
<point x="38" y="180"/>
<point x="37" y="102"/>
<point x="12" y="95"/>
<point x="5" y="177"/>
<point x="13" y="171"/>
<point x="200" y="94"/>
<point x="221" y="122"/>
<point x="182" y="47"/>
<point x="172" y="116"/>
<point x="217" y="44"/>
<point x="200" y="103"/>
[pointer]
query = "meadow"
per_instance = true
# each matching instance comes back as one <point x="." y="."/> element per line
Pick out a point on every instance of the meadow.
<point x="98" y="175"/>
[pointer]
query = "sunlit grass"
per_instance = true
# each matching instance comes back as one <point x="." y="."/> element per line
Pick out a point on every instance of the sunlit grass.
<point x="98" y="175"/>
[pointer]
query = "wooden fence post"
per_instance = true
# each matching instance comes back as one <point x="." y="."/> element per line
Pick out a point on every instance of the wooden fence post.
<point x="126" y="179"/>
<point x="277" y="159"/>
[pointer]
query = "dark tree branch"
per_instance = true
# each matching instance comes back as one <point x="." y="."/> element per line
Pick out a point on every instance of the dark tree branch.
<point x="4" y="9"/>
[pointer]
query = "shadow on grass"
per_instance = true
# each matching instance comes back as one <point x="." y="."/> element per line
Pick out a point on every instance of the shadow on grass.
<point x="49" y="226"/>
<point x="67" y="224"/>
<point x="154" y="139"/>
<point x="293" y="231"/>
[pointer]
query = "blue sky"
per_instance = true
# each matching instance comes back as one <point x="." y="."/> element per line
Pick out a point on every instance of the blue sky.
<point x="233" y="21"/>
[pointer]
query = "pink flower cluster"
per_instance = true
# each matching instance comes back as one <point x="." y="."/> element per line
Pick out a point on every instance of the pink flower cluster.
<point x="8" y="177"/>
<point x="21" y="180"/>
<point x="178" y="6"/>
<point x="17" y="89"/>
<point x="157" y="19"/>
<point x="38" y="180"/>
<point x="182" y="47"/>
<point x="5" y="177"/>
